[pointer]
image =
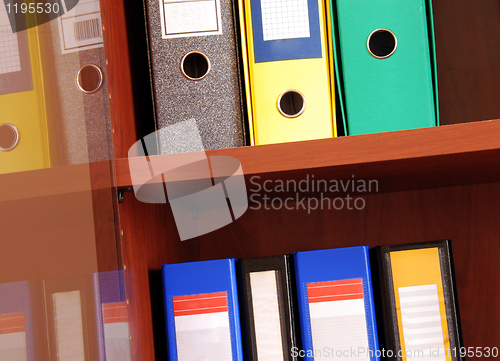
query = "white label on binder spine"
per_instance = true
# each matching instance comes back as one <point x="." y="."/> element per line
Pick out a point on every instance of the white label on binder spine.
<point x="202" y="327"/>
<point x="116" y="332"/>
<point x="338" y="319"/>
<point x="181" y="18"/>
<point x="69" y="326"/>
<point x="81" y="29"/>
<point x="10" y="61"/>
<point x="285" y="19"/>
<point x="266" y="316"/>
<point x="13" y="337"/>
<point x="422" y="327"/>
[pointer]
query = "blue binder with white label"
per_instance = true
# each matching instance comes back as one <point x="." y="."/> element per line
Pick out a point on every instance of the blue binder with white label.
<point x="201" y="311"/>
<point x="336" y="308"/>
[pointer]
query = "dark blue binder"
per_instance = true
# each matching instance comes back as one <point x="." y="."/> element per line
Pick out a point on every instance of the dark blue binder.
<point x="111" y="303"/>
<point x="336" y="307"/>
<point x="201" y="311"/>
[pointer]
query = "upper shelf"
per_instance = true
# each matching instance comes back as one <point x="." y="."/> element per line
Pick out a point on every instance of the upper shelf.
<point x="405" y="160"/>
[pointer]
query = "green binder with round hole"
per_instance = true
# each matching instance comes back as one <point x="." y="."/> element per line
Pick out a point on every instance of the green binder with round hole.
<point x="385" y="64"/>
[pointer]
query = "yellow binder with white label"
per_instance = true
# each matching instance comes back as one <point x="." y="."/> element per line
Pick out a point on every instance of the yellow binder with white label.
<point x="288" y="73"/>
<point x="23" y="124"/>
<point x="419" y="302"/>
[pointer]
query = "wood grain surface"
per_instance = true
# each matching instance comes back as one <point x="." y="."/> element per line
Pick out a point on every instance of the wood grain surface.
<point x="468" y="59"/>
<point x="407" y="160"/>
<point x="119" y="76"/>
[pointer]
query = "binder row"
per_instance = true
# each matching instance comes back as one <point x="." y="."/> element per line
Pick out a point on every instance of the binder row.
<point x="293" y="69"/>
<point x="316" y="305"/>
<point x="246" y="71"/>
<point x="53" y="90"/>
<point x="81" y="318"/>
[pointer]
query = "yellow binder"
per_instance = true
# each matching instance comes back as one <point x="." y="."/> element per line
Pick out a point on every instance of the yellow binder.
<point x="412" y="279"/>
<point x="23" y="124"/>
<point x="419" y="301"/>
<point x="288" y="76"/>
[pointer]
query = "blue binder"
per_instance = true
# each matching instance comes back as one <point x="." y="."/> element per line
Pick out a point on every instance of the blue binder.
<point x="111" y="303"/>
<point x="21" y="322"/>
<point x="201" y="311"/>
<point x="336" y="308"/>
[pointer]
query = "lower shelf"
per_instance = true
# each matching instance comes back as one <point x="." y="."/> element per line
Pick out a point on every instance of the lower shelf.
<point x="468" y="215"/>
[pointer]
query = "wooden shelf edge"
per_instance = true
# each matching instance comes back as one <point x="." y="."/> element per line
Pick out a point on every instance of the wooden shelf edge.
<point x="56" y="181"/>
<point x="428" y="157"/>
<point x="421" y="158"/>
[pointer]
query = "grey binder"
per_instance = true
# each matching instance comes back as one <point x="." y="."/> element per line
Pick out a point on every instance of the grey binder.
<point x="75" y="79"/>
<point x="195" y="70"/>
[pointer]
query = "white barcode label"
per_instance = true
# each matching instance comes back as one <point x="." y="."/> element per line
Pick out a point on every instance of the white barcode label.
<point x="181" y="18"/>
<point x="87" y="29"/>
<point x="81" y="28"/>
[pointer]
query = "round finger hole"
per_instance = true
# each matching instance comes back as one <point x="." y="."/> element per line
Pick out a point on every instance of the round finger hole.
<point x="89" y="78"/>
<point x="9" y="137"/>
<point x="291" y="103"/>
<point x="382" y="43"/>
<point x="195" y="65"/>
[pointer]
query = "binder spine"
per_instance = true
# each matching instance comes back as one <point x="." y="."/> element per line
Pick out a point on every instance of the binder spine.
<point x="112" y="316"/>
<point x="277" y="327"/>
<point x="213" y="100"/>
<point x="201" y="310"/>
<point x="336" y="304"/>
<point x="16" y="327"/>
<point x="70" y="305"/>
<point x="388" y="303"/>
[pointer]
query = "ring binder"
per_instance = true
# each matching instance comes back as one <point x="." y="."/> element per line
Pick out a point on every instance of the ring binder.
<point x="385" y="65"/>
<point x="269" y="304"/>
<point x="337" y="313"/>
<point x="201" y="311"/>
<point x="418" y="301"/>
<point x="286" y="55"/>
<point x="195" y="70"/>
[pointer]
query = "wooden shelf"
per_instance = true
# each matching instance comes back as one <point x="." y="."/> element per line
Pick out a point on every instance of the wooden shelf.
<point x="467" y="214"/>
<point x="414" y="159"/>
<point x="56" y="181"/>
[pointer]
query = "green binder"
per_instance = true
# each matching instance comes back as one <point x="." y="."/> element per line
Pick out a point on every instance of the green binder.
<point x="385" y="64"/>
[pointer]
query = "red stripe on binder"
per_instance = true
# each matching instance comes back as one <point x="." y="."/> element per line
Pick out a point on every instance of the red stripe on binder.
<point x="115" y="312"/>
<point x="335" y="290"/>
<point x="200" y="304"/>
<point x="12" y="323"/>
